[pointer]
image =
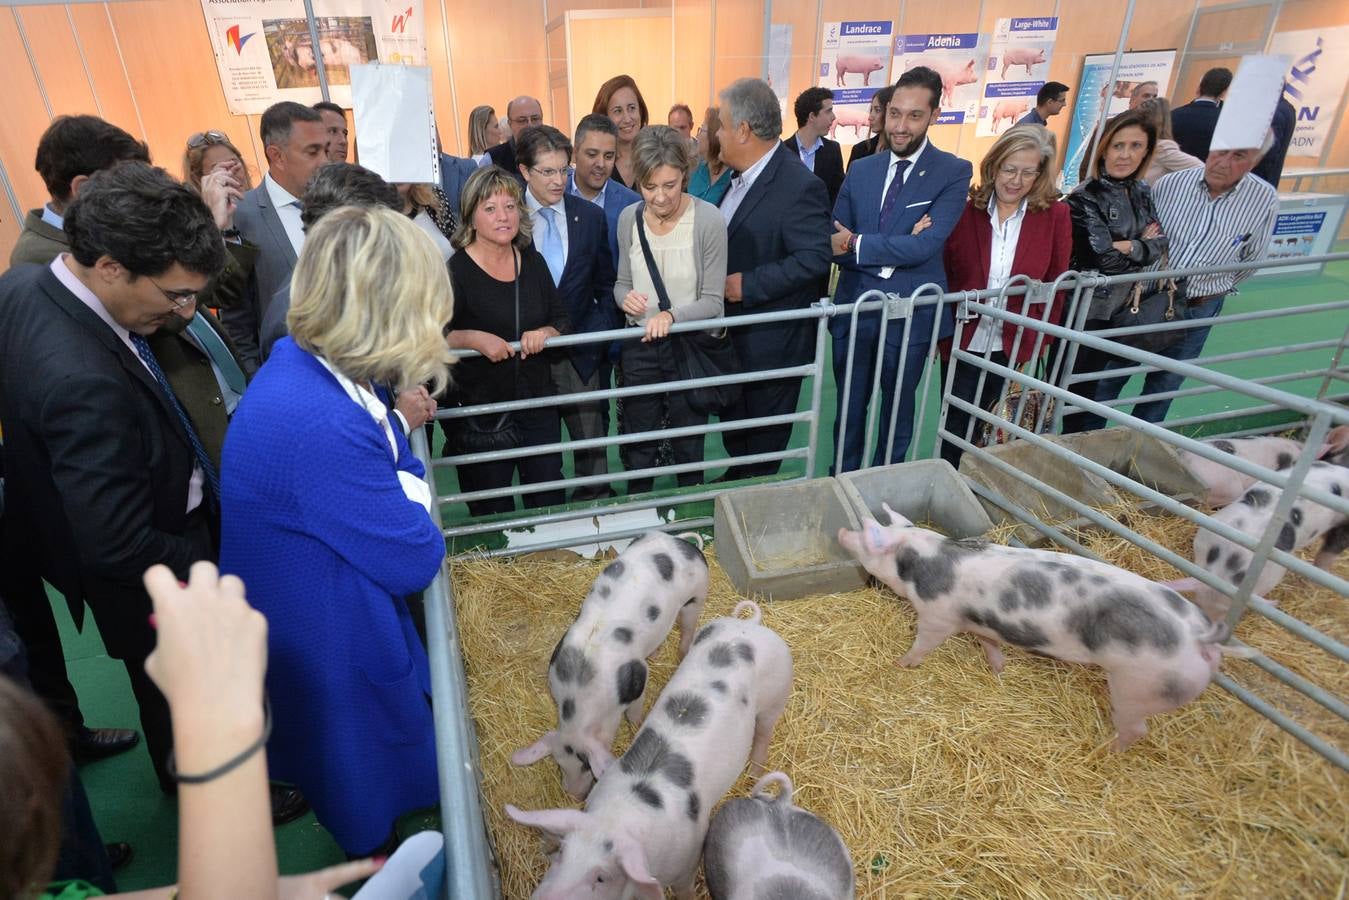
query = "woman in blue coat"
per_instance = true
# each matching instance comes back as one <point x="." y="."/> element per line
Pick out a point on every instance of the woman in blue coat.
<point x="326" y="518"/>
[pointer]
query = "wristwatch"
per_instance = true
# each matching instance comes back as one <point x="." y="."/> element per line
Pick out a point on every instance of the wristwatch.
<point x="852" y="243"/>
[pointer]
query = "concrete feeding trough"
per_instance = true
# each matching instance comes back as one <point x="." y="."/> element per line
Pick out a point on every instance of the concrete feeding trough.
<point x="780" y="541"/>
<point x="1138" y="456"/>
<point x="926" y="492"/>
<point x="1076" y="482"/>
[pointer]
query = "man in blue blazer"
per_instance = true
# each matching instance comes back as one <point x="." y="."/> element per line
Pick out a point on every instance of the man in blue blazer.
<point x="572" y="237"/>
<point x="884" y="197"/>
<point x="596" y="152"/>
<point x="777" y="259"/>
<point x="268" y="217"/>
<point x="454" y="172"/>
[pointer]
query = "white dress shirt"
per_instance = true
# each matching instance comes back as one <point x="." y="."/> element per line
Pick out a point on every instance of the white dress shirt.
<point x="1006" y="233"/>
<point x="287" y="210"/>
<point x="598" y="199"/>
<point x="536" y="217"/>
<point x="887" y="271"/>
<point x="196" y="484"/>
<point x="808" y="153"/>
<point x="741" y="184"/>
<point x="414" y="488"/>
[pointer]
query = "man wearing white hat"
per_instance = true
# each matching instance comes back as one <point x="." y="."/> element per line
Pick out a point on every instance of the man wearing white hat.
<point x="1219" y="214"/>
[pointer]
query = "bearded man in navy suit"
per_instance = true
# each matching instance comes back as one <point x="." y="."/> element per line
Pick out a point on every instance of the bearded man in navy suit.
<point x="893" y="215"/>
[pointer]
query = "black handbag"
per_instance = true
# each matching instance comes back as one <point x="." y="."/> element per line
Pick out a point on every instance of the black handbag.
<point x="479" y="434"/>
<point x="1165" y="304"/>
<point x="698" y="354"/>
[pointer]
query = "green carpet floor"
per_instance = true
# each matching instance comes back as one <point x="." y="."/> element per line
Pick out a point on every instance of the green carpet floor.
<point x="126" y="799"/>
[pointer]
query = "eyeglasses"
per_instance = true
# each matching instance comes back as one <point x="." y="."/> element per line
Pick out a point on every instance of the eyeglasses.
<point x="179" y="299"/>
<point x="207" y="139"/>
<point x="547" y="173"/>
<point x="1013" y="171"/>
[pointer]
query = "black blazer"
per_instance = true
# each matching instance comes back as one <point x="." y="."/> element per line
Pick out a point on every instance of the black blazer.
<point x="503" y="155"/>
<point x="587" y="283"/>
<point x="97" y="464"/>
<point x="778" y="240"/>
<point x="828" y="164"/>
<point x="1192" y="126"/>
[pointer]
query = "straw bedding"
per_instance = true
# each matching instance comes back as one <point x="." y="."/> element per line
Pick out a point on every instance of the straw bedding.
<point x="946" y="780"/>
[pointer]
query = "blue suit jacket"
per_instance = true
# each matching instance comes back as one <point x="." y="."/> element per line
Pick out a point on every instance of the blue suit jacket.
<point x="617" y="197"/>
<point x="939" y="189"/>
<point x="314" y="519"/>
<point x="454" y="171"/>
<point x="587" y="283"/>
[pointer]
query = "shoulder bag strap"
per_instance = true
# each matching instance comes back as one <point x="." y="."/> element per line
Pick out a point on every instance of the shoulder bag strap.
<point x="652" y="268"/>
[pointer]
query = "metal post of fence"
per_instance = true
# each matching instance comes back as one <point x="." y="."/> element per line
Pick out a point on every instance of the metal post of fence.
<point x="468" y="858"/>
<point x="817" y="386"/>
<point x="1334" y="365"/>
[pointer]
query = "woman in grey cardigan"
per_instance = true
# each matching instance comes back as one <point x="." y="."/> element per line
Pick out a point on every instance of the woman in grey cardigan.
<point x="688" y="243"/>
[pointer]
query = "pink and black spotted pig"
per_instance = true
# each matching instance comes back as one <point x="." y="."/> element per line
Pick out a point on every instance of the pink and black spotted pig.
<point x="1159" y="651"/>
<point x="1225" y="484"/>
<point x="598" y="668"/>
<point x="643" y="825"/>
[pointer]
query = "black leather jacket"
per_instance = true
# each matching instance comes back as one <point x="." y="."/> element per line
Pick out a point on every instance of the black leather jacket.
<point x="1105" y="210"/>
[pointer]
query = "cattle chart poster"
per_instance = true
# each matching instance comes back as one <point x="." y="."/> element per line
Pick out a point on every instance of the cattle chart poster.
<point x="960" y="60"/>
<point x="265" y="53"/>
<point x="1018" y="66"/>
<point x="854" y="64"/>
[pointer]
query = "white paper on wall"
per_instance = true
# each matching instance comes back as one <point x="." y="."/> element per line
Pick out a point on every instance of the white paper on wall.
<point x="395" y="127"/>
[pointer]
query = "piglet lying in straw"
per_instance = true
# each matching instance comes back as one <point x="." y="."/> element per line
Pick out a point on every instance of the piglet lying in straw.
<point x="643" y="824"/>
<point x="598" y="668"/>
<point x="1226" y="485"/>
<point x="761" y="846"/>
<point x="1159" y="651"/>
<point x="1252" y="515"/>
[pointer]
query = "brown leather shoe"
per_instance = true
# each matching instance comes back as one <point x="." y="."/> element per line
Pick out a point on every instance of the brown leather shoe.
<point x="100" y="743"/>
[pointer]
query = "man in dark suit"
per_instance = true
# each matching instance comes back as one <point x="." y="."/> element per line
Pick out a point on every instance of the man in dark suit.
<point x="105" y="474"/>
<point x="777" y="255"/>
<point x="268" y="217"/>
<point x="1192" y="124"/>
<point x="592" y="176"/>
<point x="71" y="150"/>
<point x="814" y="110"/>
<point x="1270" y="167"/>
<point x="521" y="113"/>
<point x="454" y="172"/>
<point x="572" y="236"/>
<point x="883" y="198"/>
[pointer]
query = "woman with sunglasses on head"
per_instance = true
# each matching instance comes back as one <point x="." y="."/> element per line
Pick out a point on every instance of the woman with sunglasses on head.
<point x="215" y="169"/>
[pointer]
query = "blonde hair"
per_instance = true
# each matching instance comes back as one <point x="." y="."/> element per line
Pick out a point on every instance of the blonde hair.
<point x="371" y="295"/>
<point x="477" y="129"/>
<point x="482" y="185"/>
<point x="424" y="195"/>
<point x="1042" y="193"/>
<point x="1159" y="110"/>
<point x="195" y="151"/>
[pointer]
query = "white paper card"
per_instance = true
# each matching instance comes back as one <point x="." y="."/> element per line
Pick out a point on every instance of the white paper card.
<point x="1250" y="103"/>
<point x="395" y="128"/>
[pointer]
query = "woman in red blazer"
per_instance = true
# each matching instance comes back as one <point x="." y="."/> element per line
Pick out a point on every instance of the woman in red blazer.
<point x="1013" y="224"/>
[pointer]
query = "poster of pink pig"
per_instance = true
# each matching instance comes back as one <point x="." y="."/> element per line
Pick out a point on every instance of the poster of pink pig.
<point x="960" y="60"/>
<point x="1018" y="65"/>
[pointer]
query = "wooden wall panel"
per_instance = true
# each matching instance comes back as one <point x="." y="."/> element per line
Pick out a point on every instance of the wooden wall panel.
<point x="451" y="121"/>
<point x="693" y="56"/>
<point x="58" y="59"/>
<point x="93" y="28"/>
<point x="638" y="46"/>
<point x="497" y="47"/>
<point x="738" y="50"/>
<point x="25" y="118"/>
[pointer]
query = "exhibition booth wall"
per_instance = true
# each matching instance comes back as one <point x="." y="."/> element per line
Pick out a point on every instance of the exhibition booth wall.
<point x="151" y="66"/>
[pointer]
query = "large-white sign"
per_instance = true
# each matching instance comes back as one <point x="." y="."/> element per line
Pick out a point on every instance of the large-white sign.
<point x="1018" y="66"/>
<point x="265" y="52"/>
<point x="1315" y="83"/>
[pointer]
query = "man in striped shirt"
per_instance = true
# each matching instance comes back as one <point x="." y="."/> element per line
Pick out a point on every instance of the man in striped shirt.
<point x="1213" y="216"/>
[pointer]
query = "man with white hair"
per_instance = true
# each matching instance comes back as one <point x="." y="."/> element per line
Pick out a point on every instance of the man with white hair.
<point x="1142" y="93"/>
<point x="521" y="113"/>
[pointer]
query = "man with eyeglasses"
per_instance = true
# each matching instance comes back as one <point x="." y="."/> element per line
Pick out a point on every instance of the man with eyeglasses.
<point x="573" y="237"/>
<point x="521" y="113"/>
<point x="106" y="475"/>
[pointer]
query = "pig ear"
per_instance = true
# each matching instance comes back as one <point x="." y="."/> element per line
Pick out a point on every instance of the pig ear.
<point x="557" y="822"/>
<point x="875" y="538"/>
<point x="527" y="756"/>
<point x="1182" y="585"/>
<point x="633" y="860"/>
<point x="1336" y="441"/>
<point x="600" y="759"/>
<point x="896" y="518"/>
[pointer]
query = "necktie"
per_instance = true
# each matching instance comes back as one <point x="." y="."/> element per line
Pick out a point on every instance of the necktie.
<point x="219" y="353"/>
<point x="892" y="195"/>
<point x="143" y="348"/>
<point x="552" y="244"/>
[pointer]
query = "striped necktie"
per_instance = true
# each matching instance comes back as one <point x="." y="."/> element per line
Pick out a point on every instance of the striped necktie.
<point x="148" y="357"/>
